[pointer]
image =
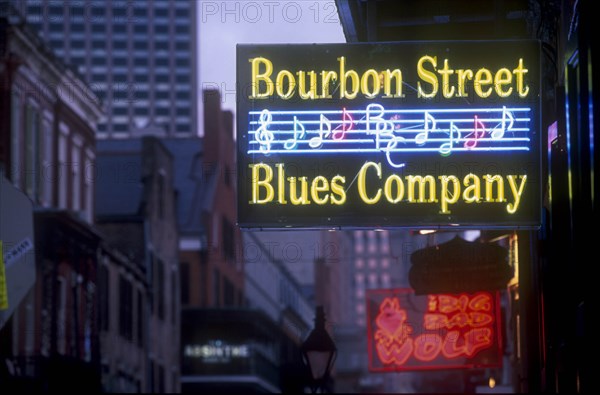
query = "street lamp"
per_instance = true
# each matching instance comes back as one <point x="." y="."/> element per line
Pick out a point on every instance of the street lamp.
<point x="319" y="352"/>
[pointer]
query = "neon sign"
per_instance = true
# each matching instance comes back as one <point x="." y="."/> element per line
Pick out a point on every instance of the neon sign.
<point x="396" y="135"/>
<point x="408" y="332"/>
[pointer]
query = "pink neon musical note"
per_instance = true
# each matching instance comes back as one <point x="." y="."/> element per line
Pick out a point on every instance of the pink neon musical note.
<point x="347" y="123"/>
<point x="478" y="132"/>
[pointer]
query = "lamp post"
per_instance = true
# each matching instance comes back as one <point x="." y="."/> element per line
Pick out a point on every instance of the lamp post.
<point x="319" y="352"/>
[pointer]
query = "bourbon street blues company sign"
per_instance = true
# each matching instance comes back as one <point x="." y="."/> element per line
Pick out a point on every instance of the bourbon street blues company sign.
<point x="416" y="134"/>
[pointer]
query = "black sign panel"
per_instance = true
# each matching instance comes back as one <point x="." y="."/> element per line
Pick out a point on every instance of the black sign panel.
<point x="420" y="134"/>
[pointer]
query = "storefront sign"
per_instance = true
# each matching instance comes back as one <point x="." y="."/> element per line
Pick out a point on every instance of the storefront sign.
<point x="441" y="331"/>
<point x="397" y="134"/>
<point x="216" y="351"/>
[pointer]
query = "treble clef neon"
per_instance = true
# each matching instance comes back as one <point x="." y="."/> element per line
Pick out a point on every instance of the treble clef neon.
<point x="263" y="135"/>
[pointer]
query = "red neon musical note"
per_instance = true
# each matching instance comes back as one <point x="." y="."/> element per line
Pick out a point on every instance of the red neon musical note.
<point x="347" y="123"/>
<point x="478" y="132"/>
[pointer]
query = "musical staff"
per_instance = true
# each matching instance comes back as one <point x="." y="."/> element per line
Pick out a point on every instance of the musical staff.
<point x="393" y="132"/>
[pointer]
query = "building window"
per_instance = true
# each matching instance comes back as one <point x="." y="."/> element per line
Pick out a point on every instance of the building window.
<point x="182" y="128"/>
<point x="32" y="152"/>
<point x="372" y="243"/>
<point x="372" y="280"/>
<point x="384" y="242"/>
<point x="216" y="287"/>
<point x="104" y="291"/>
<point x="161" y="78"/>
<point x="46" y="176"/>
<point x="228" y="235"/>
<point x="76" y="175"/>
<point x="228" y="293"/>
<point x="143" y="111"/>
<point x="61" y="315"/>
<point x="141" y="317"/>
<point x="161" y="195"/>
<point x="174" y="298"/>
<point x="159" y="288"/>
<point x="372" y="263"/>
<point x="385" y="263"/>
<point x="386" y="280"/>
<point x="185" y="282"/>
<point x="359" y="263"/>
<point x="359" y="279"/>
<point x="88" y="178"/>
<point x="15" y="131"/>
<point x="358" y="241"/>
<point x="63" y="176"/>
<point x="125" y="308"/>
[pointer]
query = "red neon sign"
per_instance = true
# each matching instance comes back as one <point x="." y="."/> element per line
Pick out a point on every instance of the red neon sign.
<point x="409" y="332"/>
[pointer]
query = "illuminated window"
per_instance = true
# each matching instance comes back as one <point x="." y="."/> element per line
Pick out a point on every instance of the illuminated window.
<point x="360" y="263"/>
<point x="372" y="263"/>
<point x="384" y="242"/>
<point x="385" y="263"/>
<point x="360" y="307"/>
<point x="360" y="293"/>
<point x="358" y="241"/>
<point x="385" y="280"/>
<point x="372" y="280"/>
<point x="360" y="280"/>
<point x="372" y="241"/>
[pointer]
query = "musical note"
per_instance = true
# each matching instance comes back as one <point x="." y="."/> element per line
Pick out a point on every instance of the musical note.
<point x="264" y="136"/>
<point x="422" y="137"/>
<point x="299" y="133"/>
<point x="346" y="119"/>
<point x="478" y="132"/>
<point x="446" y="148"/>
<point x="317" y="142"/>
<point x="501" y="128"/>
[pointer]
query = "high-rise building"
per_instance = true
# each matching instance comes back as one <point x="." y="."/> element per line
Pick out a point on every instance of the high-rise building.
<point x="138" y="56"/>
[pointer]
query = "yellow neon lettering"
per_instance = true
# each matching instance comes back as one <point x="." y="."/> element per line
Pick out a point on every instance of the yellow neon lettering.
<point x="447" y="89"/>
<point x="326" y="77"/>
<point x="463" y="75"/>
<point x="319" y="184"/>
<point x="520" y="71"/>
<point x="303" y="199"/>
<point x="472" y="193"/>
<point x="427" y="76"/>
<point x="388" y="192"/>
<point x="257" y="183"/>
<point x="517" y="193"/>
<point x="446" y="196"/>
<point x="258" y="77"/>
<point x="364" y="84"/>
<point x="413" y="180"/>
<point x="337" y="188"/>
<point x="503" y="77"/>
<point x="482" y="77"/>
<point x="281" y="183"/>
<point x="489" y="188"/>
<point x="362" y="187"/>
<point x="344" y="78"/>
<point x="280" y="83"/>
<point x="312" y="91"/>
<point x="387" y="83"/>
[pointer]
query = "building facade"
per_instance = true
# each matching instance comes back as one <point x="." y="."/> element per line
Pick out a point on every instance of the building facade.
<point x="138" y="56"/>
<point x="47" y="124"/>
<point x="135" y="211"/>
